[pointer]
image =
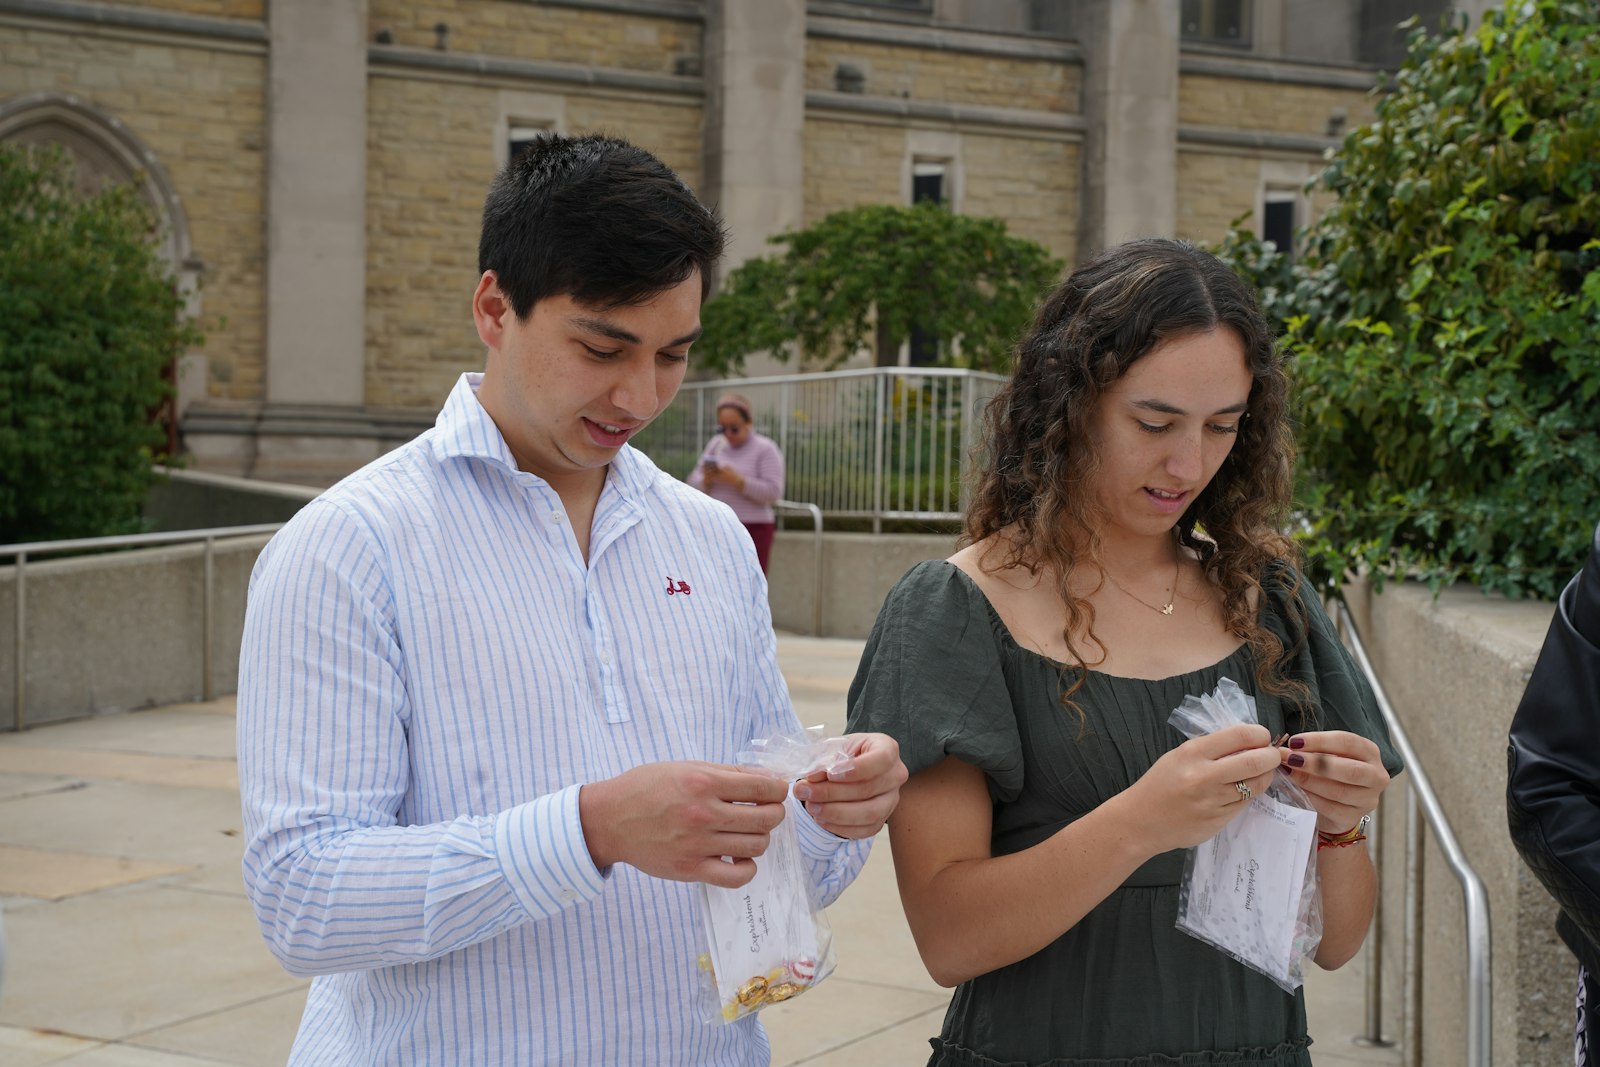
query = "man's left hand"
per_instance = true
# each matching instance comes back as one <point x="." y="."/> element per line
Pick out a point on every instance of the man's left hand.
<point x="854" y="801"/>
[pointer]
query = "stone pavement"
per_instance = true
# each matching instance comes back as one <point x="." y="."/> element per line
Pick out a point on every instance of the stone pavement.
<point x="132" y="945"/>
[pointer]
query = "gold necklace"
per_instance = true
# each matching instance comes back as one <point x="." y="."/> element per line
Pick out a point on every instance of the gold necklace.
<point x="1172" y="591"/>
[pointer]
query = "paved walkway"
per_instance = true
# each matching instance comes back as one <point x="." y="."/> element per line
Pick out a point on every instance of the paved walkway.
<point x="132" y="945"/>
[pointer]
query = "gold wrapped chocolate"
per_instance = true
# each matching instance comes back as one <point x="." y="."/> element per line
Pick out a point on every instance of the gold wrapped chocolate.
<point x="783" y="991"/>
<point x="752" y="992"/>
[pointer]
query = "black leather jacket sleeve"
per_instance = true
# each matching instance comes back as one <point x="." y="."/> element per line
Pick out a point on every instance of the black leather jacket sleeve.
<point x="1553" y="789"/>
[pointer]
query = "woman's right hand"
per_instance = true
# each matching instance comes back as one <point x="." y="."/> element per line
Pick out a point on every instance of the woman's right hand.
<point x="1192" y="792"/>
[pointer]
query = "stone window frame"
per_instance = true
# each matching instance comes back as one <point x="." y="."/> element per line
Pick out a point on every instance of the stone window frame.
<point x="518" y="109"/>
<point x="1206" y="34"/>
<point x="935" y="146"/>
<point x="86" y="132"/>
<point x="1283" y="181"/>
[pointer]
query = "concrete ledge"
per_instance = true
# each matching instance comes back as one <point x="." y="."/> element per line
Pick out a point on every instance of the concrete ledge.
<point x="1278" y="71"/>
<point x="394" y="57"/>
<point x="133" y="18"/>
<point x="941" y="38"/>
<point x="858" y="570"/>
<point x="197" y="500"/>
<point x="1067" y="126"/>
<point x="1254" y="141"/>
<point x="1454" y="669"/>
<point x="124" y="630"/>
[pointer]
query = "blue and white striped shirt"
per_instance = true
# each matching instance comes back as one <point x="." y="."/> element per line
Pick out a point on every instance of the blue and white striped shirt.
<point x="429" y="672"/>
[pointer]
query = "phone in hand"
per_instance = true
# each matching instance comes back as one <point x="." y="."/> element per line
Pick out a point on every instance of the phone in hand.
<point x="709" y="464"/>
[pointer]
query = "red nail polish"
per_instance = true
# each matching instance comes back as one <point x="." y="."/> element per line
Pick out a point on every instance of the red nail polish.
<point x="1286" y="769"/>
<point x="1297" y="742"/>
<point x="1297" y="760"/>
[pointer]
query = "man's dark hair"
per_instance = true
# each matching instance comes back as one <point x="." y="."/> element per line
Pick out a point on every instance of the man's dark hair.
<point x="594" y="218"/>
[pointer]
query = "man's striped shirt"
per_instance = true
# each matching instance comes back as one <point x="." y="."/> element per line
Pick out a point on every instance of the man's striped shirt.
<point x="429" y="672"/>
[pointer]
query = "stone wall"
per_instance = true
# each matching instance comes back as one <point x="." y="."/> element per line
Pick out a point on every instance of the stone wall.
<point x="542" y="32"/>
<point x="1032" y="184"/>
<point x="197" y="105"/>
<point x="849" y="163"/>
<point x="916" y="73"/>
<point x="431" y="156"/>
<point x="1260" y="104"/>
<point x="1214" y="188"/>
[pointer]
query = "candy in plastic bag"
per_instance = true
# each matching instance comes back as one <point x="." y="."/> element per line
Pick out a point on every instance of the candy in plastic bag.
<point x="769" y="941"/>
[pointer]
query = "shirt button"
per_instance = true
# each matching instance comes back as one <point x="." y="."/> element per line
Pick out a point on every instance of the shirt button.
<point x="605" y="655"/>
<point x="555" y="518"/>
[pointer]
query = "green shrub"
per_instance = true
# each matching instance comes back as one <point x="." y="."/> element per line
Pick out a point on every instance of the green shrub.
<point x="864" y="277"/>
<point x="1443" y="319"/>
<point x="89" y="322"/>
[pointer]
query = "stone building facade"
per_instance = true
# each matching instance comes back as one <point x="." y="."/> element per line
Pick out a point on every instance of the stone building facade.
<point x="319" y="165"/>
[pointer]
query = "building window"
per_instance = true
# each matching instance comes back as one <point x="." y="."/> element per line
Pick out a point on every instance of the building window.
<point x="1278" y="221"/>
<point x="520" y="138"/>
<point x="1225" y="22"/>
<point x="927" y="183"/>
<point x="899" y="5"/>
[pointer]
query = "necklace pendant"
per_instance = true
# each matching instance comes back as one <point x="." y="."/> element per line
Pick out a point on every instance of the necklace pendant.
<point x="1167" y="610"/>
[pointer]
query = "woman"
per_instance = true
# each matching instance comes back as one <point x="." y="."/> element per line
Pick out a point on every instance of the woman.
<point x="744" y="470"/>
<point x="1122" y="550"/>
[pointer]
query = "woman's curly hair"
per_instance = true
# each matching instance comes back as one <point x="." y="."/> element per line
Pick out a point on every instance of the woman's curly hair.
<point x="1038" y="459"/>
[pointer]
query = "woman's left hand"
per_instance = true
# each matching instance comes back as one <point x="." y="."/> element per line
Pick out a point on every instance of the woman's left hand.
<point x="1341" y="772"/>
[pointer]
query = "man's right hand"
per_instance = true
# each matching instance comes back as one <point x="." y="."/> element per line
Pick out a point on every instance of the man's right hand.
<point x="677" y="820"/>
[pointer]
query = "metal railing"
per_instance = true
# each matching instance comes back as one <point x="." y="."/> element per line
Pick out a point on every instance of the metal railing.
<point x="816" y="557"/>
<point x="22" y="552"/>
<point x="1422" y="804"/>
<point x="879" y="443"/>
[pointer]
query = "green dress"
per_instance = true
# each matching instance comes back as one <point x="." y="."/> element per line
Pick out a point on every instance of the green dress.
<point x="942" y="674"/>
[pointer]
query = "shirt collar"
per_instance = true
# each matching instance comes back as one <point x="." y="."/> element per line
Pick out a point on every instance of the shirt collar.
<point x="465" y="430"/>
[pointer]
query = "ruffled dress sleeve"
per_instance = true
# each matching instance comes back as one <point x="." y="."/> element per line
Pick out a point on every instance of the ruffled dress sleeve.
<point x="1342" y="699"/>
<point x="932" y="678"/>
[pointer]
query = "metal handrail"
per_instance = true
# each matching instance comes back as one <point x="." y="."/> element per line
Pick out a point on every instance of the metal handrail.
<point x="816" y="557"/>
<point x="23" y="550"/>
<point x="1422" y="803"/>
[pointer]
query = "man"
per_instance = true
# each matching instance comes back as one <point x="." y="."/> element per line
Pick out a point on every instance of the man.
<point x="492" y="684"/>
<point x="1553" y="784"/>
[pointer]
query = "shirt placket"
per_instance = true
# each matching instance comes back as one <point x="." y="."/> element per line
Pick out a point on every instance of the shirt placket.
<point x="613" y="515"/>
<point x="601" y="645"/>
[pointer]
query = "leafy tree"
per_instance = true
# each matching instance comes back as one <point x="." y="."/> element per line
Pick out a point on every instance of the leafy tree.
<point x="1443" y="319"/>
<point x="872" y="274"/>
<point x="89" y="321"/>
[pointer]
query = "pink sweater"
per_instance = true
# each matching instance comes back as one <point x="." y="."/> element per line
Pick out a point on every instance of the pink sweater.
<point x="761" y="463"/>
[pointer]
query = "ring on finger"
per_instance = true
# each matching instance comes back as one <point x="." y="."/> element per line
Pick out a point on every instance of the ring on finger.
<point x="1245" y="792"/>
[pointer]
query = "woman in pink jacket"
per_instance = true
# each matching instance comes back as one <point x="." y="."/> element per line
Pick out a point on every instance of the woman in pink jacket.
<point x="744" y="470"/>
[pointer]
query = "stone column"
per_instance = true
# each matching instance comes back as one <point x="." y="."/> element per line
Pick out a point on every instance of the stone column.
<point x="755" y="76"/>
<point x="1130" y="102"/>
<point x="316" y="202"/>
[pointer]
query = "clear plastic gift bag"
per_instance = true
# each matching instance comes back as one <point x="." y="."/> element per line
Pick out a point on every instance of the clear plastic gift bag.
<point x="1251" y="891"/>
<point x="769" y="939"/>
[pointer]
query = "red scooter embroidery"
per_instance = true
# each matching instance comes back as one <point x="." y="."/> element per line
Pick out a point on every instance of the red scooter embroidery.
<point x="678" y="587"/>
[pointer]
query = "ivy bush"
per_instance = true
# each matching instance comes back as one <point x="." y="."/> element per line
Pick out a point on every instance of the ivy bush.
<point x="867" y="275"/>
<point x="1443" y="319"/>
<point x="89" y="322"/>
